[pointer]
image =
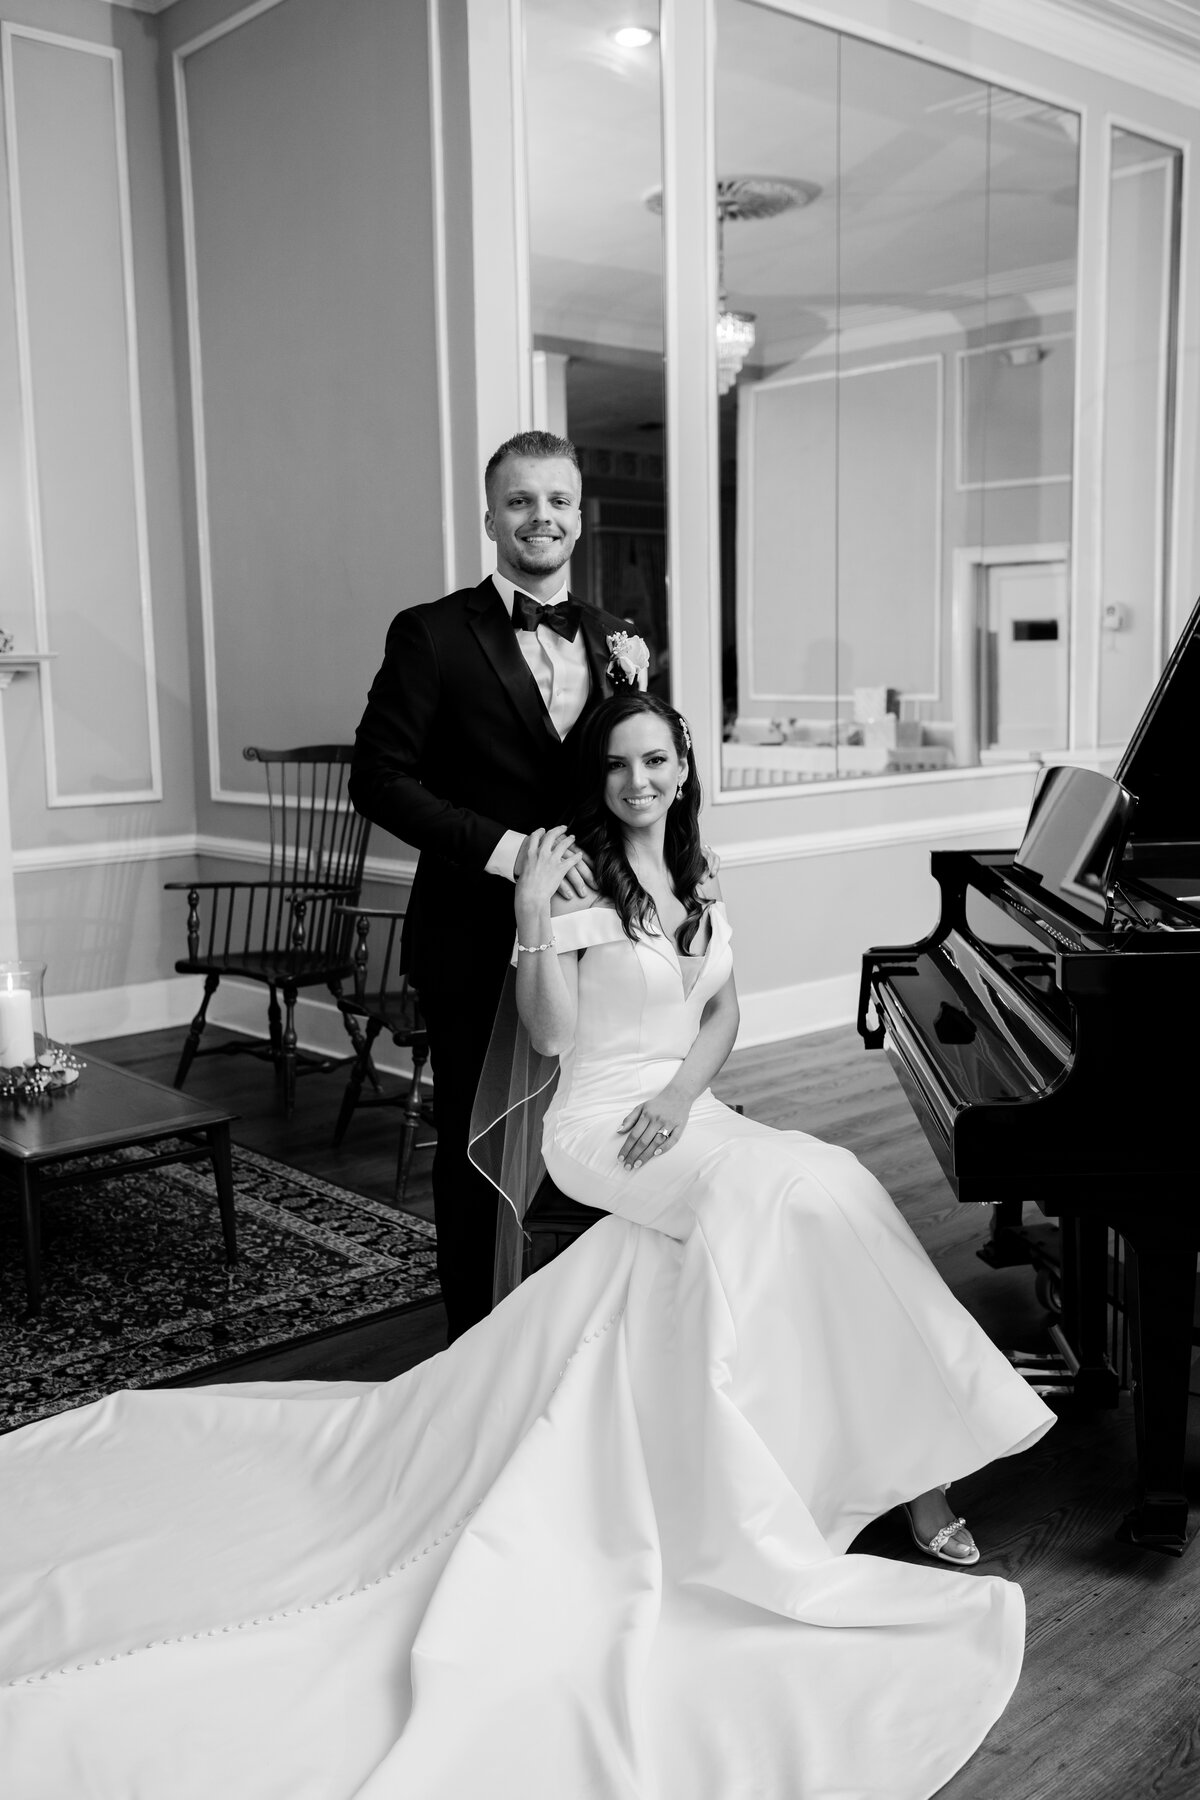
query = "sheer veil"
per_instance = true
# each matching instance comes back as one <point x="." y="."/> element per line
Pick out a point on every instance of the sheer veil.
<point x="515" y="1089"/>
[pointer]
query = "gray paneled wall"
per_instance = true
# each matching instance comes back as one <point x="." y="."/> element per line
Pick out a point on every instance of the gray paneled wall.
<point x="306" y="215"/>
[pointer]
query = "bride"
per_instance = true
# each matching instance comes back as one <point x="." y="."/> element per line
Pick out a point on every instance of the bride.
<point x="600" y="1547"/>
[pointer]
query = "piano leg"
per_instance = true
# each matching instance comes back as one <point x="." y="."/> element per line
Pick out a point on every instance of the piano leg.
<point x="1006" y="1246"/>
<point x="1082" y="1338"/>
<point x="1161" y="1296"/>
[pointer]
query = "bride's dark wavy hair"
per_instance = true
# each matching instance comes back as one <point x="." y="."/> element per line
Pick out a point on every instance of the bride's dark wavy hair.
<point x="598" y="833"/>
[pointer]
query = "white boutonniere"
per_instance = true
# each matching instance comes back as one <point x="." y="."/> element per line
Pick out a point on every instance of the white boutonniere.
<point x="629" y="664"/>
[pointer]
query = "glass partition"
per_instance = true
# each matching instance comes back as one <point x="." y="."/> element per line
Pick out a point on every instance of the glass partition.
<point x="1139" y="388"/>
<point x="898" y="249"/>
<point x="593" y="138"/>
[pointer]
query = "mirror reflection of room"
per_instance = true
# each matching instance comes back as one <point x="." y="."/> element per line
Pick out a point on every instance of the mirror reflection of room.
<point x="594" y="155"/>
<point x="896" y="445"/>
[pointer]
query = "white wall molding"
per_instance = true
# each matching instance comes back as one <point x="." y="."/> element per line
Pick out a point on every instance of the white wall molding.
<point x="398" y="869"/>
<point x="9" y="34"/>
<point x="1000" y="828"/>
<point x="998" y="825"/>
<point x="45" y="858"/>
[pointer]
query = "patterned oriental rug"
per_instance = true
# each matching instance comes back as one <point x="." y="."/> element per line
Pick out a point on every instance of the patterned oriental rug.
<point x="137" y="1292"/>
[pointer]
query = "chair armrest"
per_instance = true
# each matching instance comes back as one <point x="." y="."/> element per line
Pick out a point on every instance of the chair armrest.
<point x="373" y="912"/>
<point x="310" y="891"/>
<point x="318" y="890"/>
<point x="186" y="887"/>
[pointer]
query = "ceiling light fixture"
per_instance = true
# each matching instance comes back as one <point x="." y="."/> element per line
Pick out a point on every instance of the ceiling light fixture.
<point x="633" y="37"/>
<point x="742" y="197"/>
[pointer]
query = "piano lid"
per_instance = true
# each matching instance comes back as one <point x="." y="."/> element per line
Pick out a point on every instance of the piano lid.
<point x="1161" y="767"/>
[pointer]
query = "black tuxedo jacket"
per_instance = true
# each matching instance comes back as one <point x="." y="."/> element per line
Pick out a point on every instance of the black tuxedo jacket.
<point x="455" y="748"/>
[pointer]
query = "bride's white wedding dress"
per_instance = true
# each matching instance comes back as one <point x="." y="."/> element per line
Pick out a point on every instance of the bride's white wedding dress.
<point x="594" y="1551"/>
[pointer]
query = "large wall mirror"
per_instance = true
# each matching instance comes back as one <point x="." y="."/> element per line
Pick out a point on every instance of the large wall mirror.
<point x="593" y="131"/>
<point x="896" y="345"/>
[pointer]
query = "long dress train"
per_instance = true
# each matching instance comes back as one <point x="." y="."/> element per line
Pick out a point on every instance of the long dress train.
<point x="596" y="1550"/>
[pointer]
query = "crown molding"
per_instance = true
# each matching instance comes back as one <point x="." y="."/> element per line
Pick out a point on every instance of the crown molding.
<point x="1174" y="23"/>
<point x="1154" y="44"/>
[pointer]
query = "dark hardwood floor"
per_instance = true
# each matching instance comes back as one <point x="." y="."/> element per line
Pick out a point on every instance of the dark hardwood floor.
<point x="1108" y="1707"/>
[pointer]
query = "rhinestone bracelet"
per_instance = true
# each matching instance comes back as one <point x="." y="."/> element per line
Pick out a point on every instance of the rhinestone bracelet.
<point x="532" y="949"/>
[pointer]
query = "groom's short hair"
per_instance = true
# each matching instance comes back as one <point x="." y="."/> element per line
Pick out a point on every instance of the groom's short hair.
<point x="529" y="443"/>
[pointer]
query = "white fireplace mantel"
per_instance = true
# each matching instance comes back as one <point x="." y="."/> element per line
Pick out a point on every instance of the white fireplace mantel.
<point x="12" y="664"/>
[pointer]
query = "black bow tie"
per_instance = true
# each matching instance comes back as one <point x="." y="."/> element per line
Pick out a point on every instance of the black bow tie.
<point x="528" y="614"/>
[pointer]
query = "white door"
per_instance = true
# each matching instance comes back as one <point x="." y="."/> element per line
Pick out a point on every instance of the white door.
<point x="1025" y="698"/>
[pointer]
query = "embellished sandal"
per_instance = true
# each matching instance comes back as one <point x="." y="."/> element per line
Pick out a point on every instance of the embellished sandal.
<point x="936" y="1545"/>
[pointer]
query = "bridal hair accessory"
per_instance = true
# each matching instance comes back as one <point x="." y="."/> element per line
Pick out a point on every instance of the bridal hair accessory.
<point x="687" y="739"/>
<point x="629" y="663"/>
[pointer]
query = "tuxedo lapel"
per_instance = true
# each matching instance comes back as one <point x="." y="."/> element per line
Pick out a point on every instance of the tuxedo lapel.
<point x="594" y="625"/>
<point x="497" y="639"/>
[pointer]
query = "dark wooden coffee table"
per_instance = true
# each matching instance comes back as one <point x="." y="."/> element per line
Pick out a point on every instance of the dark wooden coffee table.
<point x="108" y="1109"/>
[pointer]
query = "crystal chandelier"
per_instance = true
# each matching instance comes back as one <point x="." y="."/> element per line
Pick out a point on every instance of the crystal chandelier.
<point x="735" y="341"/>
<point x="746" y="197"/>
<point x="735" y="330"/>
<point x="742" y="197"/>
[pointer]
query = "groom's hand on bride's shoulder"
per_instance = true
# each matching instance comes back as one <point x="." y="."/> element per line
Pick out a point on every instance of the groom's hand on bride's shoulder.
<point x="577" y="882"/>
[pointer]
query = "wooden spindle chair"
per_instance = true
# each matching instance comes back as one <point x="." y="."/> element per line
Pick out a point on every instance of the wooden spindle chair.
<point x="287" y="930"/>
<point x="384" y="1001"/>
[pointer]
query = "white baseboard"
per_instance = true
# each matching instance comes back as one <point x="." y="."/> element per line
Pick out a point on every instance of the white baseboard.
<point x="242" y="1006"/>
<point x="236" y="1005"/>
<point x="795" y="1011"/>
<point x="120" y="1011"/>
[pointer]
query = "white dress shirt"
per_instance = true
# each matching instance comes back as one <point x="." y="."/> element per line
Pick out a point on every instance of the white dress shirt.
<point x="561" y="671"/>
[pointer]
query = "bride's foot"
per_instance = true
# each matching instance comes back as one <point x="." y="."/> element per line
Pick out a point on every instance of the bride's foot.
<point x="938" y="1531"/>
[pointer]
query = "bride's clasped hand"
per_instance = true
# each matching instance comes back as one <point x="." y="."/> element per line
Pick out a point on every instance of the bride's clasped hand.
<point x="602" y="1545"/>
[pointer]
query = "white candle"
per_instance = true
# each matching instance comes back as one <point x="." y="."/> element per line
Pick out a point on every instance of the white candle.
<point x="16" y="1027"/>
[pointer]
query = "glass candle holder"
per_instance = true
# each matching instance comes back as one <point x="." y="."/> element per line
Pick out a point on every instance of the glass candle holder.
<point x="22" y="1014"/>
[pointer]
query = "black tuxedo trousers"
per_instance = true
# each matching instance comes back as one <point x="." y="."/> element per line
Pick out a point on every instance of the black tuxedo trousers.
<point x="455" y="748"/>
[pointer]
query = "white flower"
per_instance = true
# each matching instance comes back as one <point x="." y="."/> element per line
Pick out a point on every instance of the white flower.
<point x="629" y="665"/>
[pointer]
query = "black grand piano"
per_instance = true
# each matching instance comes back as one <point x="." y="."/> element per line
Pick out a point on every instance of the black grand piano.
<point x="1045" y="1033"/>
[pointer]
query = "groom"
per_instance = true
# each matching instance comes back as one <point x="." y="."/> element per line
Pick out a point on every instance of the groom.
<point x="468" y="743"/>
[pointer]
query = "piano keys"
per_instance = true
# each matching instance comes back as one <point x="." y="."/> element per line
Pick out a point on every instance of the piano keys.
<point x="1044" y="1032"/>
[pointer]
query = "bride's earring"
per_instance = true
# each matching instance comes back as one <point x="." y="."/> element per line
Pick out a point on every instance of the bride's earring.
<point x="679" y="791"/>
